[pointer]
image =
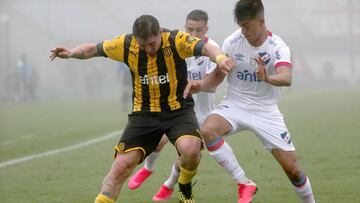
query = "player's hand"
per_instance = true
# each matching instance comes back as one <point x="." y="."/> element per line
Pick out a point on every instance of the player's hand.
<point x="60" y="52"/>
<point x="261" y="70"/>
<point x="226" y="65"/>
<point x="193" y="86"/>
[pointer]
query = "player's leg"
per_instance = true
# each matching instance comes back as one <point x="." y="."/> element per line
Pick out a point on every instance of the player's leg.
<point x="189" y="148"/>
<point x="151" y="159"/>
<point x="121" y="169"/>
<point x="167" y="188"/>
<point x="212" y="130"/>
<point x="270" y="128"/>
<point x="142" y="174"/>
<point x="183" y="132"/>
<point x="301" y="183"/>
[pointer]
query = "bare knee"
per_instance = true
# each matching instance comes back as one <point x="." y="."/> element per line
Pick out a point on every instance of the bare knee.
<point x="190" y="154"/>
<point x="208" y="133"/>
<point x="124" y="164"/>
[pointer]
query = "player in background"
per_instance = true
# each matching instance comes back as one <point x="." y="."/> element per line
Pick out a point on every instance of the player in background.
<point x="156" y="58"/>
<point x="198" y="68"/>
<point x="263" y="64"/>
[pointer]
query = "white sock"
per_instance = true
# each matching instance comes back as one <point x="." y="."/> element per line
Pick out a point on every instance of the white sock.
<point x="225" y="157"/>
<point x="173" y="179"/>
<point x="305" y="192"/>
<point x="150" y="161"/>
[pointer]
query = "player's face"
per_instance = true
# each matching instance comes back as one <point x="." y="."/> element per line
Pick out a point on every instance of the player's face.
<point x="252" y="29"/>
<point x="151" y="45"/>
<point x="196" y="28"/>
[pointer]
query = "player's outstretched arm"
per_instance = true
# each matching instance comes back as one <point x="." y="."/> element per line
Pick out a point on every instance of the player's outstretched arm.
<point x="208" y="84"/>
<point x="225" y="64"/>
<point x="84" y="51"/>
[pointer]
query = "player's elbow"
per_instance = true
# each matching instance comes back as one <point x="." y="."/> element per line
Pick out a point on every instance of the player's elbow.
<point x="288" y="82"/>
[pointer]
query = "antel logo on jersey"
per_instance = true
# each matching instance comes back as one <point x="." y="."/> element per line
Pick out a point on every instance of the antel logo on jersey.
<point x="194" y="75"/>
<point x="265" y="56"/>
<point x="154" y="80"/>
<point x="247" y="76"/>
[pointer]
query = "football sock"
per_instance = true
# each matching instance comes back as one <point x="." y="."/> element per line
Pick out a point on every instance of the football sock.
<point x="225" y="157"/>
<point x="172" y="180"/>
<point x="186" y="190"/>
<point x="103" y="199"/>
<point x="186" y="175"/>
<point x="150" y="161"/>
<point x="303" y="189"/>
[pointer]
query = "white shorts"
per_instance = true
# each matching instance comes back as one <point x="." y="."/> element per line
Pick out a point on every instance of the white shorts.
<point x="267" y="123"/>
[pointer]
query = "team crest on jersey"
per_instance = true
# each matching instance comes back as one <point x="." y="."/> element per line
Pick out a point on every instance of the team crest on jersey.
<point x="190" y="39"/>
<point x="286" y="137"/>
<point x="277" y="55"/>
<point x="265" y="56"/>
<point x="167" y="51"/>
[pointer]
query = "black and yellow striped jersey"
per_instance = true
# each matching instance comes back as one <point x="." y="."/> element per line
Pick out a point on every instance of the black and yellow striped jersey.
<point x="158" y="81"/>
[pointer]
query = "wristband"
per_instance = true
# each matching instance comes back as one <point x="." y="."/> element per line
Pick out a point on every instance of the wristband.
<point x="220" y="57"/>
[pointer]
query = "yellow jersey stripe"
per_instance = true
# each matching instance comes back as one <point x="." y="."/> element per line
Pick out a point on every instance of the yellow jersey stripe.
<point x="154" y="84"/>
<point x="170" y="65"/>
<point x="133" y="60"/>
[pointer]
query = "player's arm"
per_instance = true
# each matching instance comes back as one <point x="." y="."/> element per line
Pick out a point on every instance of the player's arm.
<point x="211" y="67"/>
<point x="208" y="84"/>
<point x="282" y="76"/>
<point x="84" y="51"/>
<point x="211" y="90"/>
<point x="225" y="64"/>
<point x="212" y="80"/>
<point x="187" y="46"/>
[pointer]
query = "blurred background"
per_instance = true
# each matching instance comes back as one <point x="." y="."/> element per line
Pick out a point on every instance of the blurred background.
<point x="323" y="35"/>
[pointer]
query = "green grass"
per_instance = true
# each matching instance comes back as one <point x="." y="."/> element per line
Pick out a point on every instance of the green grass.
<point x="324" y="125"/>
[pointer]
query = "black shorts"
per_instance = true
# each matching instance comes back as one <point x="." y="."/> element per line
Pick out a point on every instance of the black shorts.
<point x="144" y="129"/>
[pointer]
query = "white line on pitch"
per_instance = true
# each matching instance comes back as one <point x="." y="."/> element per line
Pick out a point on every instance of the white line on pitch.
<point x="58" y="151"/>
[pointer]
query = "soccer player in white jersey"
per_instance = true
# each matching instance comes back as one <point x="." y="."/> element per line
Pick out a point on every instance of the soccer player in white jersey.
<point x="198" y="68"/>
<point x="263" y="64"/>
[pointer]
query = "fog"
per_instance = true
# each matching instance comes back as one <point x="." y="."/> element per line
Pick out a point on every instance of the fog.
<point x="324" y="37"/>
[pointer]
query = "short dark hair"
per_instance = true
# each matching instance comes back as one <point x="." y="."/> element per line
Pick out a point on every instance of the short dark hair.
<point x="198" y="15"/>
<point x="248" y="10"/>
<point x="146" y="26"/>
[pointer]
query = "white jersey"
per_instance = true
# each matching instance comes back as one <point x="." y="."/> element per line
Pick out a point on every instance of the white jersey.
<point x="198" y="67"/>
<point x="243" y="86"/>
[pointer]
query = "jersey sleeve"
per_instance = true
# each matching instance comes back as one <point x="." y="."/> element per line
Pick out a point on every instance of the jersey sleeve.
<point x="188" y="46"/>
<point x="225" y="47"/>
<point x="113" y="49"/>
<point x="282" y="57"/>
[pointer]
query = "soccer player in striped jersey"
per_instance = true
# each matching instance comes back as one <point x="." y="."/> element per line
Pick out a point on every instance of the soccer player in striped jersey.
<point x="263" y="65"/>
<point x="196" y="24"/>
<point x="156" y="58"/>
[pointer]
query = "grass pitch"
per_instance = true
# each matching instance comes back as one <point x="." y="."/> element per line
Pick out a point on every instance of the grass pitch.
<point x="324" y="125"/>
